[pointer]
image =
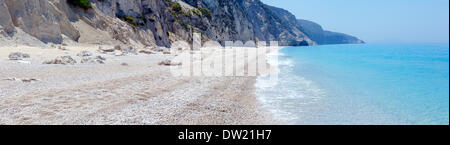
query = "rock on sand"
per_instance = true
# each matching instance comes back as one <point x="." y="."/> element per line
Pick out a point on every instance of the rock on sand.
<point x="62" y="60"/>
<point x="168" y="62"/>
<point x="18" y="56"/>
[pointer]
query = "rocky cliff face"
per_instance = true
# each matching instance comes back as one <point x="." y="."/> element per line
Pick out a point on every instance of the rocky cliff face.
<point x="39" y="18"/>
<point x="246" y="20"/>
<point x="50" y="20"/>
<point x="157" y="22"/>
<point x="6" y="24"/>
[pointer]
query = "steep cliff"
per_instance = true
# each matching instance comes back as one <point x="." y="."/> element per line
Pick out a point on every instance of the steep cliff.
<point x="157" y="22"/>
<point x="322" y="37"/>
<point x="53" y="20"/>
<point x="6" y="24"/>
<point x="39" y="18"/>
<point x="314" y="31"/>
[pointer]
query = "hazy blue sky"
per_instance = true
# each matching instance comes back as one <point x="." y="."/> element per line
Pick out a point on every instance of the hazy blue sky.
<point x="403" y="21"/>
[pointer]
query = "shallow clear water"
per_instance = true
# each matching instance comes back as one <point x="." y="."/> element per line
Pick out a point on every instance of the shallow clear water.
<point x="361" y="84"/>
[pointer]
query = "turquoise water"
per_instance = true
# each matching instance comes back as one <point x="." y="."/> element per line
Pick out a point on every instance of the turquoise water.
<point x="361" y="84"/>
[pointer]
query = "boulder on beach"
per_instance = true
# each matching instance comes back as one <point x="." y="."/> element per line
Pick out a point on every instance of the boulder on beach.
<point x="117" y="47"/>
<point x="62" y="48"/>
<point x="104" y="49"/>
<point x="150" y="48"/>
<point x="18" y="56"/>
<point x="162" y="49"/>
<point x="62" y="60"/>
<point x="124" y="64"/>
<point x="28" y="80"/>
<point x="25" y="80"/>
<point x="118" y="50"/>
<point x="129" y="50"/>
<point x="97" y="59"/>
<point x="168" y="62"/>
<point x="147" y="51"/>
<point x="118" y="53"/>
<point x="84" y="53"/>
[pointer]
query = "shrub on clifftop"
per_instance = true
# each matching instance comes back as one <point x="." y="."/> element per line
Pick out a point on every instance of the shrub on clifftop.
<point x="131" y="20"/>
<point x="205" y="12"/>
<point x="80" y="3"/>
<point x="177" y="7"/>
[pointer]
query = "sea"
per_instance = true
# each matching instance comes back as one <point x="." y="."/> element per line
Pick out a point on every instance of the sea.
<point x="359" y="84"/>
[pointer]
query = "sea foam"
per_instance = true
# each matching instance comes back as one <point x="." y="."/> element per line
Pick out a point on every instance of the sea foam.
<point x="288" y="87"/>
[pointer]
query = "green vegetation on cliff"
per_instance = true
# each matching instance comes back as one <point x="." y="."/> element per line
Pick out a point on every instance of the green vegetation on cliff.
<point x="80" y="3"/>
<point x="176" y="8"/>
<point x="130" y="20"/>
<point x="205" y="12"/>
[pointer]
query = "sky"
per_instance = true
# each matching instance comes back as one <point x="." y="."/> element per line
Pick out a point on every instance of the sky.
<point x="377" y="21"/>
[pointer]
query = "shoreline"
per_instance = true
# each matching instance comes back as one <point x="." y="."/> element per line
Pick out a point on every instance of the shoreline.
<point x="140" y="93"/>
<point x="270" y="111"/>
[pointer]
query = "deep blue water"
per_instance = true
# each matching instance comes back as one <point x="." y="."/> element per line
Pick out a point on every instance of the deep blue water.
<point x="361" y="84"/>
